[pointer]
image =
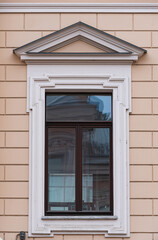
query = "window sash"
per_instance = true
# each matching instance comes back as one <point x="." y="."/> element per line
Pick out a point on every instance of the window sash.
<point x="78" y="167"/>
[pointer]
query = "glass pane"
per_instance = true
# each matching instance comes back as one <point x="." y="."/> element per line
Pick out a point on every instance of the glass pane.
<point x="96" y="169"/>
<point x="61" y="169"/>
<point x="78" y="107"/>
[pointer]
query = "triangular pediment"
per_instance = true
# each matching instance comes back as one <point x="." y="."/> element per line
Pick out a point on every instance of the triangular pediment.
<point x="79" y="47"/>
<point x="79" y="38"/>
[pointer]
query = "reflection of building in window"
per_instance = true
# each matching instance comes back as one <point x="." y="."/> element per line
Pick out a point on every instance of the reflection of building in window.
<point x="96" y="162"/>
<point x="79" y="160"/>
<point x="78" y="107"/>
<point x="62" y="191"/>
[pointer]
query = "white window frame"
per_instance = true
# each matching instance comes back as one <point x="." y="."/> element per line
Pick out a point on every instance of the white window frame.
<point x="96" y="78"/>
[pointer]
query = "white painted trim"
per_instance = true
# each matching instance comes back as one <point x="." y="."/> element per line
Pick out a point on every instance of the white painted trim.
<point x="96" y="78"/>
<point x="79" y="7"/>
<point x="79" y="217"/>
<point x="91" y="58"/>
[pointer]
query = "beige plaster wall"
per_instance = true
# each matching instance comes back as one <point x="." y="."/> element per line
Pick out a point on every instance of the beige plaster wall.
<point x="18" y="29"/>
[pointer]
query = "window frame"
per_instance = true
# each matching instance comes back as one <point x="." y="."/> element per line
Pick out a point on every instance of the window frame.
<point x="78" y="125"/>
<point x="98" y="79"/>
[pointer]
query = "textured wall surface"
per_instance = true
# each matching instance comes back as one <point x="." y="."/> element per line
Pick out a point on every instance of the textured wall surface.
<point x="139" y="29"/>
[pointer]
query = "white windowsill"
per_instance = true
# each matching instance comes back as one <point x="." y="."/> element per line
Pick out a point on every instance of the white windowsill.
<point x="80" y="217"/>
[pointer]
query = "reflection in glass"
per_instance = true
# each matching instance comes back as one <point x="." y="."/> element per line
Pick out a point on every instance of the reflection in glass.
<point x="96" y="169"/>
<point x="78" y="107"/>
<point x="61" y="169"/>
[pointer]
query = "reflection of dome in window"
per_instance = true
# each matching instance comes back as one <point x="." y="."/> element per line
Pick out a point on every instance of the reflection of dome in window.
<point x="76" y="107"/>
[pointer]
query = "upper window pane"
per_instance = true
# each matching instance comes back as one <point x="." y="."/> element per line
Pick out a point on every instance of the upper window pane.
<point x="78" y="107"/>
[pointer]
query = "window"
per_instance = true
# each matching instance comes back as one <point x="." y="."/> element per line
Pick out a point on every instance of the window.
<point x="78" y="154"/>
<point x="54" y="74"/>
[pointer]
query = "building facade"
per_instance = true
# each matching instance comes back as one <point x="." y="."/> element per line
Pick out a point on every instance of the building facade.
<point x="48" y="53"/>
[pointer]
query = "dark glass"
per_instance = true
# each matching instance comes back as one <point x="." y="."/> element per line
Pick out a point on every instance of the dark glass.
<point x="96" y="169"/>
<point x="78" y="107"/>
<point x="78" y="154"/>
<point x="61" y="169"/>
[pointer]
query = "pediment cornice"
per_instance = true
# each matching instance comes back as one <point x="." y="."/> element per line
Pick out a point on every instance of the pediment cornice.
<point x="113" y="48"/>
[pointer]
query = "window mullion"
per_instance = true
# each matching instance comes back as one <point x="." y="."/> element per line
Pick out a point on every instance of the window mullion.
<point x="78" y="168"/>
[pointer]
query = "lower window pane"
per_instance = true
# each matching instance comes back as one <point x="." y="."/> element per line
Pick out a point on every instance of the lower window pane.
<point x="61" y="169"/>
<point x="96" y="169"/>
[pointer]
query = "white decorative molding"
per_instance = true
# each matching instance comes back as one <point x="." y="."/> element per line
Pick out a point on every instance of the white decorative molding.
<point x="79" y="7"/>
<point x="94" y="78"/>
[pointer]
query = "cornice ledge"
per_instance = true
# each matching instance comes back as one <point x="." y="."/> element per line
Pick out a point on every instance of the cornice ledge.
<point x="77" y="57"/>
<point x="79" y="7"/>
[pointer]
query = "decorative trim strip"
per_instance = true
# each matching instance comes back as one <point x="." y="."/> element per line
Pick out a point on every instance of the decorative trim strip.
<point x="79" y="7"/>
<point x="80" y="217"/>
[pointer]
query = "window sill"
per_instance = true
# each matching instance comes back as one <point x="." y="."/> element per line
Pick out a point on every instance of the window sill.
<point x="79" y="217"/>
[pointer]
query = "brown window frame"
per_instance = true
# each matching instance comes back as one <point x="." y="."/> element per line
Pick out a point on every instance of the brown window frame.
<point x="78" y="163"/>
